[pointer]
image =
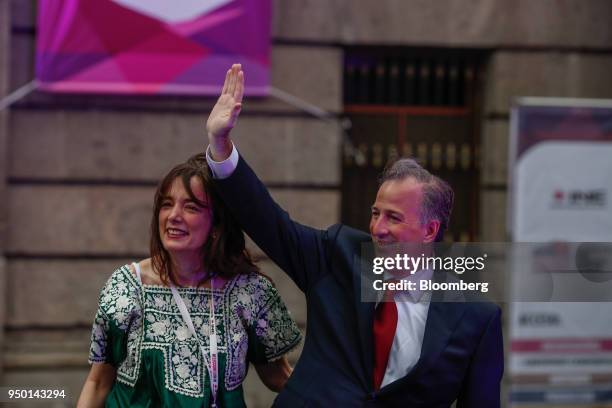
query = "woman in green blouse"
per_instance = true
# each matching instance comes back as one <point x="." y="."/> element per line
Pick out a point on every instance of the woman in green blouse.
<point x="180" y="328"/>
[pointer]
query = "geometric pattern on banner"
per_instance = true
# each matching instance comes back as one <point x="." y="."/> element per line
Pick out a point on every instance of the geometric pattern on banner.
<point x="151" y="46"/>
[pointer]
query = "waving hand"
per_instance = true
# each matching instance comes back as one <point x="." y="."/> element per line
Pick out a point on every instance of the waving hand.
<point x="224" y="114"/>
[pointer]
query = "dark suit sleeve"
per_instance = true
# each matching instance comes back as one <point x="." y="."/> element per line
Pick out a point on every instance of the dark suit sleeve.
<point x="481" y="387"/>
<point x="295" y="248"/>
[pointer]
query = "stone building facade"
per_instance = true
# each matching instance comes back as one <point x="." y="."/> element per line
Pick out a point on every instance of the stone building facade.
<point x="78" y="172"/>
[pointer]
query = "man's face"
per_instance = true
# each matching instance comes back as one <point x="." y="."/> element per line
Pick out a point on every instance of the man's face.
<point x="396" y="214"/>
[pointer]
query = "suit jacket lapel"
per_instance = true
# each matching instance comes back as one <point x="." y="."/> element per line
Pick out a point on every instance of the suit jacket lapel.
<point x="443" y="318"/>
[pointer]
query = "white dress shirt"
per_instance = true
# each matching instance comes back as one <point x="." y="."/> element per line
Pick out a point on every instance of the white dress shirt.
<point x="412" y="307"/>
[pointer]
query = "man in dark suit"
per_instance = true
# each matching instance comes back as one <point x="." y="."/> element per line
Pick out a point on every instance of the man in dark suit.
<point x="418" y="353"/>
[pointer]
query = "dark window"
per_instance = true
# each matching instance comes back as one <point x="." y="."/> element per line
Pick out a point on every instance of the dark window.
<point x="418" y="103"/>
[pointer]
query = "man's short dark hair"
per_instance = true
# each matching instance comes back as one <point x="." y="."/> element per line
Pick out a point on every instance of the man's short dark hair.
<point x="438" y="196"/>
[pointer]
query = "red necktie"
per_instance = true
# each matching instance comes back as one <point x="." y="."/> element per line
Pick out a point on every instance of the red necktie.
<point x="385" y="323"/>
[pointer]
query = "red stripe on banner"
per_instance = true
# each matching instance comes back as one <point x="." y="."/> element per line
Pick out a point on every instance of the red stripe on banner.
<point x="561" y="345"/>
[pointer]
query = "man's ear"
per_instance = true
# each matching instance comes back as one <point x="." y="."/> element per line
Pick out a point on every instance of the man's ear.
<point x="431" y="231"/>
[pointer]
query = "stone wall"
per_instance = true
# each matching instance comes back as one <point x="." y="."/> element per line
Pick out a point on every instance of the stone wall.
<point x="455" y="23"/>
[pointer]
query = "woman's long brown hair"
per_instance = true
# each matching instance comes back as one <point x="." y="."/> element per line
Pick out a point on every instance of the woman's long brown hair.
<point x="224" y="252"/>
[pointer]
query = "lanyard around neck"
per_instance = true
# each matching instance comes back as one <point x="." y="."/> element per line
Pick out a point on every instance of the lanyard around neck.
<point x="212" y="366"/>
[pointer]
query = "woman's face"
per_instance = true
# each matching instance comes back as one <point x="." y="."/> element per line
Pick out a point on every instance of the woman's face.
<point x="184" y="224"/>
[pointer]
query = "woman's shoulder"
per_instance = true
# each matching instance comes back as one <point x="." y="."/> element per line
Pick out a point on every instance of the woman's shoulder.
<point x="123" y="275"/>
<point x="119" y="300"/>
<point x="256" y="292"/>
<point x="148" y="276"/>
<point x="120" y="286"/>
<point x="254" y="282"/>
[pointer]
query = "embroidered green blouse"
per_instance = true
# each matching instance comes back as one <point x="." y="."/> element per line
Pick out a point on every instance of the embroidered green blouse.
<point x="139" y="330"/>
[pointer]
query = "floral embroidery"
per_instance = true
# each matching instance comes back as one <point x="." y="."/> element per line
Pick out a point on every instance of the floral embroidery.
<point x="119" y="308"/>
<point x="248" y="302"/>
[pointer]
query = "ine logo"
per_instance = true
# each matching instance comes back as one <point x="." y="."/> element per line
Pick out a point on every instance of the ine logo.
<point x="539" y="319"/>
<point x="569" y="199"/>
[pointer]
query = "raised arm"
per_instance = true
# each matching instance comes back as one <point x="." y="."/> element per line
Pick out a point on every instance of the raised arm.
<point x="224" y="114"/>
<point x="297" y="249"/>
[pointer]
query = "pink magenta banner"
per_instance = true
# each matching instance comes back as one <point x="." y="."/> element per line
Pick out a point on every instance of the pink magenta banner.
<point x="151" y="46"/>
